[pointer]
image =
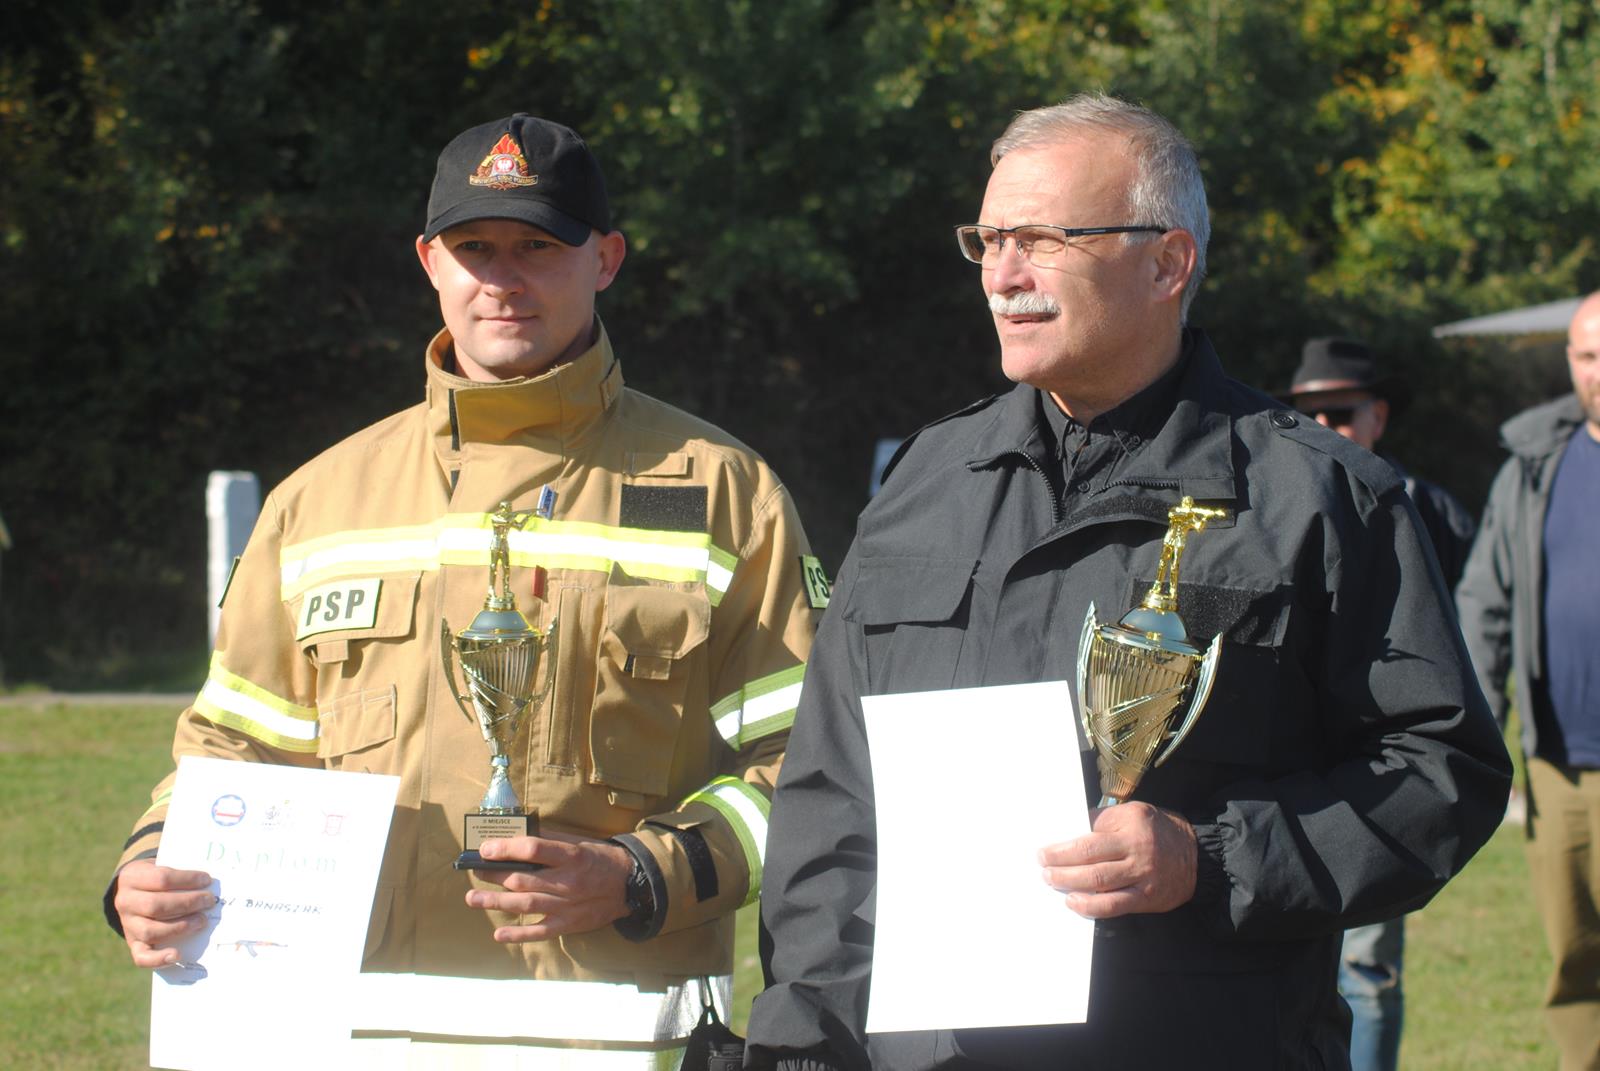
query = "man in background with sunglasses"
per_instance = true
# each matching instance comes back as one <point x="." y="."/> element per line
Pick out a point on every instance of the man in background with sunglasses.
<point x="1341" y="385"/>
<point x="1345" y="765"/>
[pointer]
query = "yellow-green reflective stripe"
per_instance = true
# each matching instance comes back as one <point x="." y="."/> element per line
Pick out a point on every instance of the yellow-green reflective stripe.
<point x="162" y="798"/>
<point x="237" y="703"/>
<point x="761" y="708"/>
<point x="746" y="810"/>
<point x="464" y="539"/>
<point x="719" y="573"/>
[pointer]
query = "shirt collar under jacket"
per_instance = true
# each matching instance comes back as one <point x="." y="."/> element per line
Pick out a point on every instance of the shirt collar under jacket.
<point x="1189" y="445"/>
<point x="1130" y="423"/>
<point x="553" y="410"/>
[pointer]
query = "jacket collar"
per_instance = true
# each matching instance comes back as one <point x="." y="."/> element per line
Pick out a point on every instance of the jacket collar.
<point x="1544" y="429"/>
<point x="551" y="411"/>
<point x="1190" y="447"/>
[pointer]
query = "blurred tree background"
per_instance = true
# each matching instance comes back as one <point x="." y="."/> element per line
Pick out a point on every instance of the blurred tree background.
<point x="207" y="209"/>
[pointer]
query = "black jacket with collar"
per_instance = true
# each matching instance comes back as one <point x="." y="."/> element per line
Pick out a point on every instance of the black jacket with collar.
<point x="1345" y="767"/>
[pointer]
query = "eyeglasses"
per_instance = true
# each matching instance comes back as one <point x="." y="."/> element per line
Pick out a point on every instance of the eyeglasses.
<point x="1336" y="415"/>
<point x="1037" y="243"/>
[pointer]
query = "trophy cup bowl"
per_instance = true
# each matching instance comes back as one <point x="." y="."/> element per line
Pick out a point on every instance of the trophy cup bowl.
<point x="1133" y="678"/>
<point x="1141" y="683"/>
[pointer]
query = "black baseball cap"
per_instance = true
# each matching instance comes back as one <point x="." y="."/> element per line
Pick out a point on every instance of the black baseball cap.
<point x="521" y="168"/>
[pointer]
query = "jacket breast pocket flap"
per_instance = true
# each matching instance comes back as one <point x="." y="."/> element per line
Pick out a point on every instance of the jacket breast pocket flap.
<point x="641" y="681"/>
<point x="655" y="627"/>
<point x="355" y="721"/>
<point x="329" y="616"/>
<point x="891" y="591"/>
<point x="1235" y="727"/>
<point x="912" y="613"/>
<point x="1256" y="616"/>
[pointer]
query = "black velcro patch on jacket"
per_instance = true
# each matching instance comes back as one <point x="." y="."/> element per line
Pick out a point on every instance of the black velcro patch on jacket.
<point x="701" y="865"/>
<point x="666" y="509"/>
<point x="1118" y="505"/>
<point x="1253" y="617"/>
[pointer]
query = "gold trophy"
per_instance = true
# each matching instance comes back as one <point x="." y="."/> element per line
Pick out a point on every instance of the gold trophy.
<point x="1135" y="675"/>
<point x="499" y="653"/>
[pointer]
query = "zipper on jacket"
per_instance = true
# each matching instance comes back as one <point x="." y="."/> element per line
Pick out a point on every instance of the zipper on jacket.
<point x="455" y="441"/>
<point x="1056" y="509"/>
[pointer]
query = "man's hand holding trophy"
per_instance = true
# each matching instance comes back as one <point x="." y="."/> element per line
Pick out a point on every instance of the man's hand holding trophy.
<point x="1141" y="686"/>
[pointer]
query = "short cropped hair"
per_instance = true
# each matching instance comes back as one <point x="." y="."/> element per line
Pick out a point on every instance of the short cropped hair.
<point x="1167" y="188"/>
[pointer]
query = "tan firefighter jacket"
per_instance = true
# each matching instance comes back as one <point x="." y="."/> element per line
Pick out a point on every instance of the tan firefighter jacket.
<point x="677" y="570"/>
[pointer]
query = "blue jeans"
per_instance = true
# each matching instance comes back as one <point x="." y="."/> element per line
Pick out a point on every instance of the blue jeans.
<point x="1369" y="981"/>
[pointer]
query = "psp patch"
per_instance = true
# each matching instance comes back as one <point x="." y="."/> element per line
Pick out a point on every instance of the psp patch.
<point x="337" y="606"/>
<point x="818" y="590"/>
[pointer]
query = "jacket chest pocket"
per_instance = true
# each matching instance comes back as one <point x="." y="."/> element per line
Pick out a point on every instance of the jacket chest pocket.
<point x="1249" y="716"/>
<point x="349" y="629"/>
<point x="650" y="638"/>
<point x="912" y="613"/>
<point x="333" y="620"/>
<point x="352" y="728"/>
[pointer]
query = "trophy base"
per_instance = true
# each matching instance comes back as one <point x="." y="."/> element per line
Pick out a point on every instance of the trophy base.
<point x="471" y="860"/>
<point x="477" y="828"/>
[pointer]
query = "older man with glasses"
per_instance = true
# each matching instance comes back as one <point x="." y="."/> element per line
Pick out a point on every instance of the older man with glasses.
<point x="1346" y="764"/>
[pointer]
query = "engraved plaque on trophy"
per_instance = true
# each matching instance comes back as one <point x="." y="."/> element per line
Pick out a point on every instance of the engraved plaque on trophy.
<point x="1141" y="683"/>
<point x="499" y="655"/>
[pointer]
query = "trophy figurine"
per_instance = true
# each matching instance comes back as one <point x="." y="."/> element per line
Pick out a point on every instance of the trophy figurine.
<point x="1134" y="676"/>
<point x="499" y="653"/>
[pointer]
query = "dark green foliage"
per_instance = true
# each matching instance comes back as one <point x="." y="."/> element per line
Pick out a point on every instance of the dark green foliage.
<point x="207" y="208"/>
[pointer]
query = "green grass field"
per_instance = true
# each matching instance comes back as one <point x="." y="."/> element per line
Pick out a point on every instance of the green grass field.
<point x="73" y="779"/>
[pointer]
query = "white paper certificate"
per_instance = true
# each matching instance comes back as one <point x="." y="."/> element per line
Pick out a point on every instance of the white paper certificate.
<point x="969" y="785"/>
<point x="294" y="855"/>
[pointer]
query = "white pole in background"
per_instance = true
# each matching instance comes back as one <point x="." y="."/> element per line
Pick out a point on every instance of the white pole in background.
<point x="233" y="499"/>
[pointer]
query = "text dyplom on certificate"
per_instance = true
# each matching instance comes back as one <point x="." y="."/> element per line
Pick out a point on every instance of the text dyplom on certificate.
<point x="293" y="855"/>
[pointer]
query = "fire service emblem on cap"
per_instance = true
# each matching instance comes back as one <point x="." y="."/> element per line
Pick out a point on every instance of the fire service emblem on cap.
<point x="504" y="168"/>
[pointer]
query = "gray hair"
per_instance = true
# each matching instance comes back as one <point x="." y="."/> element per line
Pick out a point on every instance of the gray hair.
<point x="1167" y="188"/>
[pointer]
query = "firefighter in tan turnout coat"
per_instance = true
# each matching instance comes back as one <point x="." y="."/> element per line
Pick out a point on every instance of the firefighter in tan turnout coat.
<point x="681" y="581"/>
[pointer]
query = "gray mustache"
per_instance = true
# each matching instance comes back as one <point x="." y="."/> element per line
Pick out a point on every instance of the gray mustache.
<point x="1024" y="303"/>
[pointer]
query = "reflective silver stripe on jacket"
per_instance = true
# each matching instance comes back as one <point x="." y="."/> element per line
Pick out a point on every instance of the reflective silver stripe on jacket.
<point x="450" y="1022"/>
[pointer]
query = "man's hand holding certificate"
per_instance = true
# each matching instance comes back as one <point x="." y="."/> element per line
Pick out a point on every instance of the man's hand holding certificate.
<point x="293" y="858"/>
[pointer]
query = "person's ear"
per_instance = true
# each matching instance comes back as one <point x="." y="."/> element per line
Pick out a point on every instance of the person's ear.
<point x="613" y="249"/>
<point x="1174" y="262"/>
<point x="425" y="254"/>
